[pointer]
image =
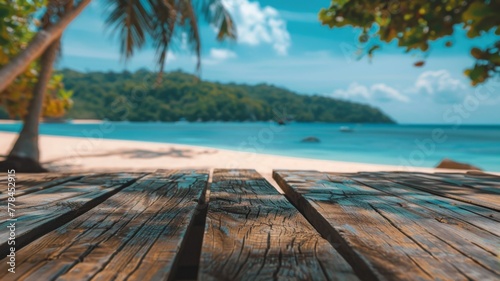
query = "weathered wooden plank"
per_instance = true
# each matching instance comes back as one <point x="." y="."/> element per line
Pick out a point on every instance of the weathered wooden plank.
<point x="482" y="175"/>
<point x="434" y="221"/>
<point x="461" y="204"/>
<point x="479" y="184"/>
<point x="28" y="183"/>
<point x="177" y="210"/>
<point x="485" y="196"/>
<point x="472" y="179"/>
<point x="447" y="208"/>
<point x="253" y="233"/>
<point x="381" y="233"/>
<point x="136" y="234"/>
<point x="47" y="209"/>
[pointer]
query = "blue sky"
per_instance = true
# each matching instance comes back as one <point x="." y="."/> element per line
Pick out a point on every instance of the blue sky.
<point x="283" y="43"/>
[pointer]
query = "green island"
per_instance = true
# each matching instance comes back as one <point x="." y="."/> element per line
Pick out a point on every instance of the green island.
<point x="184" y="96"/>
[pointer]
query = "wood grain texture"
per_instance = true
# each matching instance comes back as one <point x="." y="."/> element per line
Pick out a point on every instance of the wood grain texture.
<point x="135" y="234"/>
<point x="28" y="183"/>
<point x="478" y="181"/>
<point x="47" y="209"/>
<point x="253" y="233"/>
<point x="478" y="216"/>
<point x="390" y="233"/>
<point x="486" y="194"/>
<point x="468" y="240"/>
<point x="445" y="208"/>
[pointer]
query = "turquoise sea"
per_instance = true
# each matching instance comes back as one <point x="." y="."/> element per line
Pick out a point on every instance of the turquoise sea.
<point x="404" y="145"/>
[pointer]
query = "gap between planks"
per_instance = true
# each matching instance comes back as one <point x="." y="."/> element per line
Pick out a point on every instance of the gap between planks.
<point x="254" y="233"/>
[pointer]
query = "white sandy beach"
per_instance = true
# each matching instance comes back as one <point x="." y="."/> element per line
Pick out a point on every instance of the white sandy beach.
<point x="7" y="121"/>
<point x="84" y="154"/>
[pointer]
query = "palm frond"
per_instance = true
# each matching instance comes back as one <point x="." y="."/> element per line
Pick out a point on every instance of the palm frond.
<point x="161" y="21"/>
<point x="162" y="31"/>
<point x="132" y="20"/>
<point x="189" y="23"/>
<point x="216" y="14"/>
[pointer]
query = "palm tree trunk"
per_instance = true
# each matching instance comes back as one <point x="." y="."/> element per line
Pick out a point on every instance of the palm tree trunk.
<point x="37" y="46"/>
<point x="26" y="146"/>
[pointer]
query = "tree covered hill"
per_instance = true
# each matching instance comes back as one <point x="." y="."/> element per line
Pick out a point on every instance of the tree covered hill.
<point x="134" y="97"/>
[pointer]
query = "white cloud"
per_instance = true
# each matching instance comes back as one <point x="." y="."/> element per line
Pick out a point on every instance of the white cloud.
<point x="184" y="42"/>
<point x="440" y="86"/>
<point x="219" y="55"/>
<point x="259" y="25"/>
<point x="96" y="4"/>
<point x="354" y="92"/>
<point x="384" y="93"/>
<point x="378" y="92"/>
<point x="171" y="56"/>
<point x="222" y="54"/>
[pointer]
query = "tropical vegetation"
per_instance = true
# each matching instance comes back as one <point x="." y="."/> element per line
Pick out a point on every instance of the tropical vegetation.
<point x="130" y="96"/>
<point x="15" y="34"/>
<point x="414" y="24"/>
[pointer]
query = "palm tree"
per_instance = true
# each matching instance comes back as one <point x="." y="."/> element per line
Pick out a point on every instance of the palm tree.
<point x="25" y="154"/>
<point x="136" y="21"/>
<point x="38" y="45"/>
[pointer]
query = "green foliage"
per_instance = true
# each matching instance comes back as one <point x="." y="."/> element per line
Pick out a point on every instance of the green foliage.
<point x="16" y="17"/>
<point x="3" y="114"/>
<point x="159" y="21"/>
<point x="414" y="23"/>
<point x="14" y="24"/>
<point x="130" y="96"/>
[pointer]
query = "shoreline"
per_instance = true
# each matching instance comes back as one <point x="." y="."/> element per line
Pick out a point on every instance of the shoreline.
<point x="74" y="121"/>
<point x="99" y="121"/>
<point x="90" y="154"/>
<point x="9" y="121"/>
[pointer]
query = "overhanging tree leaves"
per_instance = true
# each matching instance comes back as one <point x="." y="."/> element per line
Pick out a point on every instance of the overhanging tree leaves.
<point x="37" y="45"/>
<point x="15" y="33"/>
<point x="413" y="24"/>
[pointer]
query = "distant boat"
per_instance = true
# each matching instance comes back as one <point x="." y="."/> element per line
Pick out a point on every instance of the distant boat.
<point x="284" y="121"/>
<point x="182" y="120"/>
<point x="346" y="129"/>
<point x="281" y="122"/>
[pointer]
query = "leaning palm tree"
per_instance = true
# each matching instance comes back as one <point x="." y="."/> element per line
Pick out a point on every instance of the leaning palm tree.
<point x="25" y="154"/>
<point x="136" y="21"/>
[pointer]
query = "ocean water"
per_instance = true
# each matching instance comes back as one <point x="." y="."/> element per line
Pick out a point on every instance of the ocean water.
<point x="402" y="145"/>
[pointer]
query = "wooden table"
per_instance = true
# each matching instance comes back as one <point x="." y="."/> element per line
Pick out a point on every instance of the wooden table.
<point x="234" y="225"/>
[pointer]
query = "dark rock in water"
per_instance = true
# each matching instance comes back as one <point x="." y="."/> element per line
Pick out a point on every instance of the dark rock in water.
<point x="311" y="139"/>
<point x="450" y="164"/>
<point x="54" y="120"/>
